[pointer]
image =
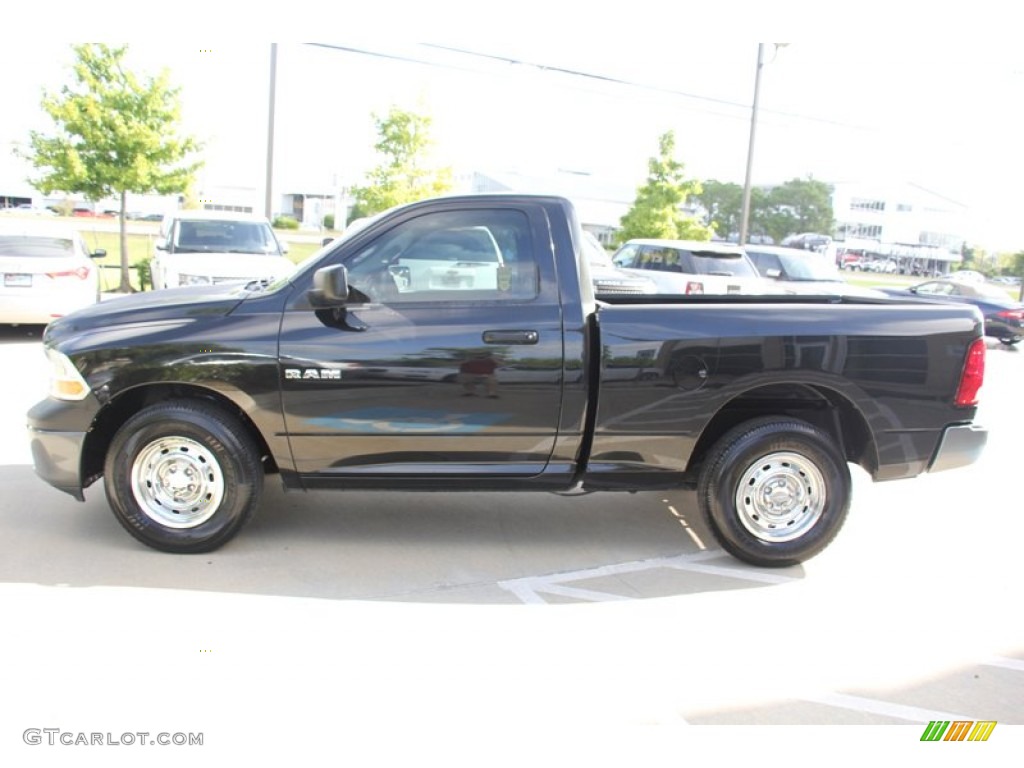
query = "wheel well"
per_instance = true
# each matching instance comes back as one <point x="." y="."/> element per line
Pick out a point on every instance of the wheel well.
<point x="127" y="404"/>
<point x="824" y="408"/>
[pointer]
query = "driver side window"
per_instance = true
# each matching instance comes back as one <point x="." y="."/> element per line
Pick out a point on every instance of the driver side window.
<point x="474" y="255"/>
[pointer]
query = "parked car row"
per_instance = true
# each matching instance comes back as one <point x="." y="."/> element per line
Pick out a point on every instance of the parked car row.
<point x="46" y="270"/>
<point x="690" y="267"/>
<point x="27" y="208"/>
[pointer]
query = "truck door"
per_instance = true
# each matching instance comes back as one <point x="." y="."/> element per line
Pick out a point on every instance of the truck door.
<point x="447" y="359"/>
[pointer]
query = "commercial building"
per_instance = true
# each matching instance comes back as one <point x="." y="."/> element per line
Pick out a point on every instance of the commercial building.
<point x="920" y="231"/>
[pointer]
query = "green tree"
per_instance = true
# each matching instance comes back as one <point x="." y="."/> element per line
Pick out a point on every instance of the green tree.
<point x="657" y="211"/>
<point x="799" y="205"/>
<point x="1015" y="264"/>
<point x="115" y="133"/>
<point x="1016" y="268"/>
<point x="966" y="254"/>
<point x="723" y="202"/>
<point x="404" y="175"/>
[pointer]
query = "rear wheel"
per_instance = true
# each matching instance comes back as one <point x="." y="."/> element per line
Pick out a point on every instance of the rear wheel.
<point x="183" y="476"/>
<point x="775" y="492"/>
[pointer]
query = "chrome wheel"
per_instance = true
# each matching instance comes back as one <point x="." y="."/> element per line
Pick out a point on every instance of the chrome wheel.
<point x="780" y="497"/>
<point x="177" y="482"/>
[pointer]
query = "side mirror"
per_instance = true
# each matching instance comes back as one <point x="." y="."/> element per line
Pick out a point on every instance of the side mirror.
<point x="774" y="274"/>
<point x="161" y="246"/>
<point x="330" y="286"/>
<point x="284" y="248"/>
<point x="99" y="253"/>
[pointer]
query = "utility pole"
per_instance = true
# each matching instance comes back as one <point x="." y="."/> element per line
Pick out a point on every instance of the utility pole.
<point x="268" y="199"/>
<point x="745" y="219"/>
<point x="747" y="184"/>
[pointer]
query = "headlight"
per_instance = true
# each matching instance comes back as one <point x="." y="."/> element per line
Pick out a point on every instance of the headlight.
<point x="66" y="383"/>
<point x="193" y="280"/>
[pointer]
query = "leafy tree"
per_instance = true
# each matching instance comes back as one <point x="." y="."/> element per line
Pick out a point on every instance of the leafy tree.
<point x="1015" y="265"/>
<point x="657" y="210"/>
<point x="799" y="205"/>
<point x="403" y="176"/>
<point x="966" y="254"/>
<point x="115" y="134"/>
<point x="723" y="202"/>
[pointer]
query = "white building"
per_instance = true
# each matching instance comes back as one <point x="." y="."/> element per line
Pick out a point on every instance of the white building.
<point x="921" y="230"/>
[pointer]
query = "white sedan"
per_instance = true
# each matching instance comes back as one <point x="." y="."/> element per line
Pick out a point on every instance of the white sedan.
<point x="46" y="272"/>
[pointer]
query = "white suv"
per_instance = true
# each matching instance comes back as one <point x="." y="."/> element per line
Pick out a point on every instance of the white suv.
<point x="210" y="247"/>
<point x="688" y="267"/>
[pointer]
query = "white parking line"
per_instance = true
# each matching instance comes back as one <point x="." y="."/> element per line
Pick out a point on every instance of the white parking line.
<point x="1005" y="663"/>
<point x="530" y="589"/>
<point x="886" y="708"/>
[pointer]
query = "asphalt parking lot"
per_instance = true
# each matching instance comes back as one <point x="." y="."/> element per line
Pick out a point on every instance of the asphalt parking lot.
<point x="335" y="616"/>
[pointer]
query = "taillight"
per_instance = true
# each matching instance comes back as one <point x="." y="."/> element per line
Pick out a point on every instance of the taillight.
<point x="81" y="273"/>
<point x="1011" y="314"/>
<point x="972" y="376"/>
<point x="694" y="288"/>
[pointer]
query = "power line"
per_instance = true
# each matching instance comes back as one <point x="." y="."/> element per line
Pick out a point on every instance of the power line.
<point x="572" y="73"/>
<point x="635" y="84"/>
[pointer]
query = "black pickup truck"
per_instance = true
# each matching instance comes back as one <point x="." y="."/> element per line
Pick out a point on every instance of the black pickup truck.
<point x="457" y="344"/>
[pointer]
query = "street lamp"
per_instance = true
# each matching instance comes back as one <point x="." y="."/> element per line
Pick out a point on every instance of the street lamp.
<point x="745" y="219"/>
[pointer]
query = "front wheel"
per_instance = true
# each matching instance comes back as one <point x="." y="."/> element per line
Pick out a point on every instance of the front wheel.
<point x="775" y="492"/>
<point x="183" y="476"/>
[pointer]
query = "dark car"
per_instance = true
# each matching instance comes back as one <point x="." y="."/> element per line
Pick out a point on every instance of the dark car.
<point x="1004" y="318"/>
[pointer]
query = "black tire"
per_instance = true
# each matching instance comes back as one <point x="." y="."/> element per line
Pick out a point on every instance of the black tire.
<point x="796" y="491"/>
<point x="183" y="476"/>
<point x="1010" y="342"/>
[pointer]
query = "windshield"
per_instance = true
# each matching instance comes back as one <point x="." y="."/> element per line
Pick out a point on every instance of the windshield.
<point x="728" y="264"/>
<point x="595" y="253"/>
<point x="28" y="246"/>
<point x="199" y="236"/>
<point x="990" y="292"/>
<point x="813" y="267"/>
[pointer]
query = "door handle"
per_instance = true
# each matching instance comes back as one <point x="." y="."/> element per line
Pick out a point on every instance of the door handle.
<point x="511" y="337"/>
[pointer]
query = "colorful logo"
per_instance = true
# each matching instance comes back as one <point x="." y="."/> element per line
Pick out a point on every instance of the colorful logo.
<point x="958" y="730"/>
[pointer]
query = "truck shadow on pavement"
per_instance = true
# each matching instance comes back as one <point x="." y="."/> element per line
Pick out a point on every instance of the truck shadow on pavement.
<point x="476" y="548"/>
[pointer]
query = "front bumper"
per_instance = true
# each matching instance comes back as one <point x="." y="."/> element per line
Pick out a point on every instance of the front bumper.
<point x="959" y="446"/>
<point x="57" y="431"/>
<point x="57" y="459"/>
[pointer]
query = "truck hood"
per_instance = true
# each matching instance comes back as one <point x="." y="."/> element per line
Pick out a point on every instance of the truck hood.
<point x="193" y="302"/>
<point x="220" y="266"/>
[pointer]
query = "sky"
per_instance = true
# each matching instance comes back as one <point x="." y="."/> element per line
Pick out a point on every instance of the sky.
<point x="936" y="101"/>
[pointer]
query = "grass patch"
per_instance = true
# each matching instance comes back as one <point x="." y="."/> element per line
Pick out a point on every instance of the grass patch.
<point x="298" y="252"/>
<point x="140" y="248"/>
